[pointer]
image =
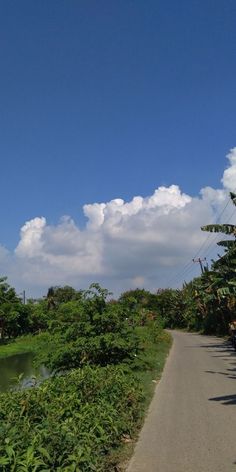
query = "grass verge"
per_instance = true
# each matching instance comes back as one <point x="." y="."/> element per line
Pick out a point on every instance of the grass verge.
<point x="147" y="368"/>
<point x="19" y="345"/>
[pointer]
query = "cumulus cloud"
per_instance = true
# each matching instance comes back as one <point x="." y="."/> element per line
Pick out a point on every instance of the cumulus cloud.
<point x="63" y="247"/>
<point x="229" y="176"/>
<point x="124" y="244"/>
<point x="112" y="213"/>
<point x="31" y="238"/>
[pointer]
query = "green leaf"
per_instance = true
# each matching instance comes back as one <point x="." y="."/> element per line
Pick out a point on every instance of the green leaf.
<point x="224" y="228"/>
<point x="4" y="460"/>
<point x="45" y="453"/>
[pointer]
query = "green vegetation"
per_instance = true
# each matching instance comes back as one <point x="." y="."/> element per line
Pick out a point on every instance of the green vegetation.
<point x="155" y="344"/>
<point x="108" y="355"/>
<point x="70" y="422"/>
<point x="21" y="345"/>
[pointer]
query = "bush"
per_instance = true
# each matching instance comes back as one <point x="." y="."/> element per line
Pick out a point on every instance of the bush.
<point x="89" y="332"/>
<point x="68" y="423"/>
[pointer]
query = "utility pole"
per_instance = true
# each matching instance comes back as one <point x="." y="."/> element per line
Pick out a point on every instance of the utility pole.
<point x="200" y="261"/>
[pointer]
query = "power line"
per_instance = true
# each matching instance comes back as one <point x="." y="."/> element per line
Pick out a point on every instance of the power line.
<point x="184" y="274"/>
<point x="188" y="267"/>
<point x="200" y="261"/>
<point x="218" y="236"/>
<point x="209" y="235"/>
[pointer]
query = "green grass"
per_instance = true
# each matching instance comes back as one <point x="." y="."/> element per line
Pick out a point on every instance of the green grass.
<point x="148" y="369"/>
<point x="152" y="361"/>
<point x="19" y="345"/>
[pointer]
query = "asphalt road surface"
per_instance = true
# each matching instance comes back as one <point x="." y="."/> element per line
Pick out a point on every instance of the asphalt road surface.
<point x="191" y="424"/>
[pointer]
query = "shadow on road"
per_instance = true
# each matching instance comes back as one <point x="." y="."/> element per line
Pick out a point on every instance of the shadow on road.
<point x="224" y="350"/>
<point x="231" y="375"/>
<point x="224" y="346"/>
<point x="225" y="399"/>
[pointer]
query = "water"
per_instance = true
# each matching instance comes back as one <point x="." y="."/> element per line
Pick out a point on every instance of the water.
<point x="12" y="367"/>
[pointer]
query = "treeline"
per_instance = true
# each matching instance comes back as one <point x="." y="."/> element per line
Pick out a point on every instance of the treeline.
<point x="63" y="307"/>
<point x="18" y="318"/>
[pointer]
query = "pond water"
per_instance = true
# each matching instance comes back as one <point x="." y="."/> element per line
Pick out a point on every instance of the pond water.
<point x="12" y="367"/>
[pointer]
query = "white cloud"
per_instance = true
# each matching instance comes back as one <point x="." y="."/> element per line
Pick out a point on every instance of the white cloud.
<point x="112" y="213"/>
<point x="229" y="176"/>
<point x="63" y="247"/>
<point x="31" y="238"/>
<point x="124" y="244"/>
<point x="3" y="253"/>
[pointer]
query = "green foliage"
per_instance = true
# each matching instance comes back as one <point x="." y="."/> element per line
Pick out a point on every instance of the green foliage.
<point x="14" y="316"/>
<point x="40" y="317"/>
<point x="22" y="345"/>
<point x="138" y="298"/>
<point x="140" y="305"/>
<point x="57" y="295"/>
<point x="69" y="422"/>
<point x="219" y="283"/>
<point x="75" y="421"/>
<point x="170" y="307"/>
<point x="208" y="303"/>
<point x="225" y="228"/>
<point x="90" y="331"/>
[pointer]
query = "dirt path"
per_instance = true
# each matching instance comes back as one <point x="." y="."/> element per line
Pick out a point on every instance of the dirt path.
<point x="191" y="424"/>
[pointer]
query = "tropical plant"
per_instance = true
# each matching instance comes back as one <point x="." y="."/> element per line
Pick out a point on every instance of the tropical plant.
<point x="70" y="422"/>
<point x="89" y="331"/>
<point x="14" y="316"/>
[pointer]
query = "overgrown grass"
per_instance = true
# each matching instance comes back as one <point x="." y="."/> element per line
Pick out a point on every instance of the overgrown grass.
<point x="156" y="345"/>
<point x="68" y="423"/>
<point x="19" y="345"/>
<point x="147" y="369"/>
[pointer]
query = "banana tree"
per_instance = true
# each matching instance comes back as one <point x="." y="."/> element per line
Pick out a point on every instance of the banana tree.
<point x="220" y="281"/>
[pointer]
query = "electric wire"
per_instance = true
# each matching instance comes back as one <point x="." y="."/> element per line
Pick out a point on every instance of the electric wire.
<point x="189" y="266"/>
<point x="218" y="236"/>
<point x="187" y="271"/>
<point x="179" y="273"/>
<point x="209" y="235"/>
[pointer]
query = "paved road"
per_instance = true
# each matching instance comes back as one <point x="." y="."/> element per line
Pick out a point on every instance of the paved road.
<point x="191" y="424"/>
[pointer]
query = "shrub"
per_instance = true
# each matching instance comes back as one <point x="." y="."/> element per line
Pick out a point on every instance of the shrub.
<point x="69" y="422"/>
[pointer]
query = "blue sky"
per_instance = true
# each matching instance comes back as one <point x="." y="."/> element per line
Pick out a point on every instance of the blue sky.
<point x="111" y="99"/>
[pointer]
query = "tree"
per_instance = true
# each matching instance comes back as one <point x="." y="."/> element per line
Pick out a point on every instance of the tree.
<point x="51" y="304"/>
<point x="64" y="294"/>
<point x="90" y="331"/>
<point x="170" y="307"/>
<point x="222" y="275"/>
<point x="14" y="316"/>
<point x="219" y="282"/>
